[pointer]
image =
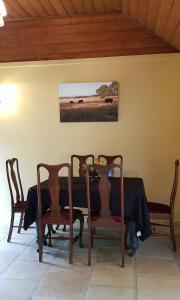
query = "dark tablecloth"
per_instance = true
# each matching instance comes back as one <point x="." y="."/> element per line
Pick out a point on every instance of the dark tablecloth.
<point x="135" y="206"/>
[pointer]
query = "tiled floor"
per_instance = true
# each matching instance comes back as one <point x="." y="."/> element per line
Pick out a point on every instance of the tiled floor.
<point x="153" y="273"/>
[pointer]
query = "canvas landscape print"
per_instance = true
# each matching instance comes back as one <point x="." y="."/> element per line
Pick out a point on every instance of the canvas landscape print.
<point x="89" y="102"/>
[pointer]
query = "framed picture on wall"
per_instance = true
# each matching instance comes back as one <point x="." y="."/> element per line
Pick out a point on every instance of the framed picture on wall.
<point x="89" y="102"/>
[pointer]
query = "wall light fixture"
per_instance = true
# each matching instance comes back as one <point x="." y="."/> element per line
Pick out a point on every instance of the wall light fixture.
<point x="3" y="13"/>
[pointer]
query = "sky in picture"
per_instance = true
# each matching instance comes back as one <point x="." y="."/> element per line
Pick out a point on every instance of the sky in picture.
<point x="80" y="89"/>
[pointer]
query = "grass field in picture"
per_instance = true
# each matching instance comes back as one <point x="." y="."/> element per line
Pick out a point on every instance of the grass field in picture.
<point x="98" y="103"/>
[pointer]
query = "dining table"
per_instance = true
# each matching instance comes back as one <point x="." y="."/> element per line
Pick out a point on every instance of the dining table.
<point x="135" y="202"/>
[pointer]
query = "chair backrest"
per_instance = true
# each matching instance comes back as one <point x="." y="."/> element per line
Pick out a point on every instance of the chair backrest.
<point x="175" y="183"/>
<point x="14" y="181"/>
<point x="54" y="186"/>
<point x="104" y="187"/>
<point x="82" y="160"/>
<point x="111" y="159"/>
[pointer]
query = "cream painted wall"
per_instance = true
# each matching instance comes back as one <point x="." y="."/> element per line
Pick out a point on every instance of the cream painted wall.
<point x="147" y="133"/>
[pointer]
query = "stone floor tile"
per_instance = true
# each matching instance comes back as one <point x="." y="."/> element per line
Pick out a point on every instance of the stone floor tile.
<point x="6" y="258"/>
<point x="25" y="270"/>
<point x="15" y="246"/>
<point x="62" y="297"/>
<point x="107" y="293"/>
<point x="158" y="288"/>
<point x="108" y="275"/>
<point x="156" y="246"/>
<point x="63" y="282"/>
<point x="11" y="289"/>
<point x="112" y="256"/>
<point x="150" y="266"/>
<point x="31" y="254"/>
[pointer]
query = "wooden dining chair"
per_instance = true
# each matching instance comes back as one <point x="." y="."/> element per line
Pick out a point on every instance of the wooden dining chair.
<point x="165" y="212"/>
<point x="18" y="204"/>
<point x="111" y="159"/>
<point x="82" y="161"/>
<point x="103" y="218"/>
<point x="56" y="214"/>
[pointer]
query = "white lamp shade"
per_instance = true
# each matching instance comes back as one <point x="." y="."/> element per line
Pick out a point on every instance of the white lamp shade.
<point x="1" y="21"/>
<point x="3" y="11"/>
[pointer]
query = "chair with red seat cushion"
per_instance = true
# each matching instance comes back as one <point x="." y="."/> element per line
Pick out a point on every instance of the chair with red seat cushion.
<point x="18" y="205"/>
<point x="103" y="218"/>
<point x="159" y="211"/>
<point x="56" y="214"/>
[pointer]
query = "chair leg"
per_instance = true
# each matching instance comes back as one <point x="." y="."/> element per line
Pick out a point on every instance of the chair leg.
<point x="49" y="233"/>
<point x="20" y="222"/>
<point x="89" y="245"/>
<point x="10" y="227"/>
<point x="92" y="240"/>
<point x="71" y="244"/>
<point x="81" y="220"/>
<point x="123" y="233"/>
<point x="93" y="229"/>
<point x="40" y="240"/>
<point x="173" y="235"/>
<point x="126" y="236"/>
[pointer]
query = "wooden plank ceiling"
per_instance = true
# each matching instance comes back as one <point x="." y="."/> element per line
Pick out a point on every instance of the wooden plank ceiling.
<point x="59" y="29"/>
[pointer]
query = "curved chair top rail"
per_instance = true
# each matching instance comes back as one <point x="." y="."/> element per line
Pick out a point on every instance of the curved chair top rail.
<point x="111" y="158"/>
<point x="82" y="161"/>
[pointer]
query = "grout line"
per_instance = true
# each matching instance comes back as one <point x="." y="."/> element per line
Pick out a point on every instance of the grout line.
<point x="7" y="267"/>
